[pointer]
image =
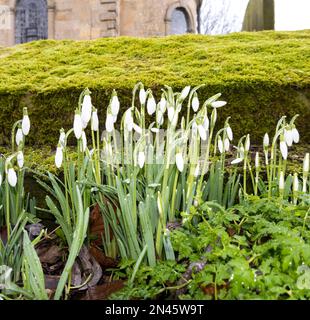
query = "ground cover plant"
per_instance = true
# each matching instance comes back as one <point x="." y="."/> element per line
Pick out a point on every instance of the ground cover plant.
<point x="159" y="200"/>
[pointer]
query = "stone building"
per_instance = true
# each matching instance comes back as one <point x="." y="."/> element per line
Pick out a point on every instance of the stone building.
<point x="27" y="20"/>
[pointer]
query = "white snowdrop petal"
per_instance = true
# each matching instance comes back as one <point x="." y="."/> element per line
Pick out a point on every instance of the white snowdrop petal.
<point x="195" y="104"/>
<point x="142" y="96"/>
<point x="137" y="128"/>
<point x="226" y="144"/>
<point x="179" y="161"/>
<point x="94" y="121"/>
<point x="283" y="149"/>
<point x="163" y="105"/>
<point x="220" y="145"/>
<point x="202" y="132"/>
<point x="58" y="157"/>
<point x="306" y="163"/>
<point x="141" y="159"/>
<point x="12" y="177"/>
<point x="185" y="92"/>
<point x="170" y="113"/>
<point x="151" y="106"/>
<point x="218" y="104"/>
<point x="84" y="141"/>
<point x="86" y="110"/>
<point x="229" y="133"/>
<point x="295" y="183"/>
<point x="20" y="159"/>
<point x="295" y="134"/>
<point x="115" y="106"/>
<point x="25" y="125"/>
<point x="238" y="160"/>
<point x="19" y="136"/>
<point x="288" y="137"/>
<point x="281" y="181"/>
<point x="266" y="140"/>
<point x="109" y="123"/>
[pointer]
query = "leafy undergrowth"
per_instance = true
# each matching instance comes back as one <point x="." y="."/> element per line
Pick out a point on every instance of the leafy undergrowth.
<point x="256" y="250"/>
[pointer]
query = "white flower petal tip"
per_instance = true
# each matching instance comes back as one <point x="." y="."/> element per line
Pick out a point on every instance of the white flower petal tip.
<point x="170" y="113"/>
<point x="197" y="171"/>
<point x="229" y="133"/>
<point x="12" y="177"/>
<point x="94" y="121"/>
<point x="151" y="105"/>
<point x="142" y="96"/>
<point x="185" y="92"/>
<point x="220" y="145"/>
<point x="195" y="104"/>
<point x="238" y="160"/>
<point x="77" y="126"/>
<point x="179" y="161"/>
<point x="25" y="125"/>
<point x="226" y="144"/>
<point x="109" y="123"/>
<point x="20" y="159"/>
<point x="306" y="163"/>
<point x="163" y="105"/>
<point x="115" y="106"/>
<point x="296" y="136"/>
<point x="137" y="128"/>
<point x="283" y="149"/>
<point x="288" y="137"/>
<point x="295" y="183"/>
<point x="58" y="157"/>
<point x="281" y="181"/>
<point x="266" y="140"/>
<point x="84" y="141"/>
<point x="202" y="132"/>
<point x="86" y="109"/>
<point x="128" y="120"/>
<point x="19" y="136"/>
<point x="218" y="104"/>
<point x="141" y="159"/>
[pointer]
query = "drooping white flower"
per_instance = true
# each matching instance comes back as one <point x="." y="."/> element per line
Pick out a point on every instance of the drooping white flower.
<point x="202" y="132"/>
<point x="94" y="120"/>
<point x="195" y="103"/>
<point x="19" y="136"/>
<point x="295" y="135"/>
<point x="62" y="138"/>
<point x="115" y="105"/>
<point x="59" y="156"/>
<point x="109" y="123"/>
<point x="128" y="120"/>
<point x="163" y="104"/>
<point x="20" y="159"/>
<point x="137" y="128"/>
<point x="151" y="105"/>
<point x="155" y="130"/>
<point x="281" y="181"/>
<point x="179" y="161"/>
<point x="170" y="113"/>
<point x="237" y="160"/>
<point x="295" y="183"/>
<point x="288" y="137"/>
<point x="84" y="141"/>
<point x="256" y="160"/>
<point x="84" y="124"/>
<point x="306" y="163"/>
<point x="247" y="143"/>
<point x="218" y="104"/>
<point x="185" y="92"/>
<point x="213" y="117"/>
<point x="220" y="144"/>
<point x="141" y="159"/>
<point x="159" y="118"/>
<point x="25" y="123"/>
<point x="206" y="123"/>
<point x="77" y="125"/>
<point x="142" y="96"/>
<point x="226" y="144"/>
<point x="266" y="140"/>
<point x="12" y="177"/>
<point x="86" y="109"/>
<point x="229" y="133"/>
<point x="283" y="149"/>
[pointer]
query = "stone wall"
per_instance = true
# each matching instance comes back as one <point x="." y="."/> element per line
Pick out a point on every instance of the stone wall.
<point x="91" y="19"/>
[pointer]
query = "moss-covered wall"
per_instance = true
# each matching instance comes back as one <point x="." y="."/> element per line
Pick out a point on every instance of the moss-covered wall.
<point x="262" y="75"/>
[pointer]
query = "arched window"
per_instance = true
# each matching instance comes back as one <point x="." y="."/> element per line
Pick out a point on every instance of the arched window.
<point x="179" y="21"/>
<point x="31" y="20"/>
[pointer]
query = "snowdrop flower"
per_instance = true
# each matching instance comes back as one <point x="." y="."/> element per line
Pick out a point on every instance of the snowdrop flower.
<point x="62" y="138"/>
<point x="84" y="141"/>
<point x="283" y="148"/>
<point x="295" y="135"/>
<point x="281" y="181"/>
<point x="206" y="123"/>
<point x="220" y="144"/>
<point x="237" y="160"/>
<point x="266" y="140"/>
<point x="128" y="120"/>
<point x="202" y="132"/>
<point x="20" y="159"/>
<point x="218" y="104"/>
<point x="84" y="124"/>
<point x="226" y="144"/>
<point x="295" y="183"/>
<point x="77" y="125"/>
<point x="141" y="159"/>
<point x="151" y="105"/>
<point x="170" y="113"/>
<point x="247" y="143"/>
<point x="109" y="123"/>
<point x="213" y="117"/>
<point x="86" y="109"/>
<point x="115" y="105"/>
<point x="163" y="104"/>
<point x="240" y="156"/>
<point x="159" y="118"/>
<point x="25" y="123"/>
<point x="195" y="103"/>
<point x="12" y="177"/>
<point x="59" y="156"/>
<point x="288" y="137"/>
<point x="137" y="128"/>
<point x="142" y="96"/>
<point x="179" y="161"/>
<point x="229" y="133"/>
<point x="155" y="130"/>
<point x="256" y="160"/>
<point x="19" y="136"/>
<point x="185" y="92"/>
<point x="306" y="163"/>
<point x="94" y="120"/>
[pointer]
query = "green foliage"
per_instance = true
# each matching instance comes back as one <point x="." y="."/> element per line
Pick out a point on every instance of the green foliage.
<point x="263" y="73"/>
<point x="257" y="250"/>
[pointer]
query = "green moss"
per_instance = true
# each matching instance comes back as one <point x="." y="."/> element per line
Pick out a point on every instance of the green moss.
<point x="262" y="75"/>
